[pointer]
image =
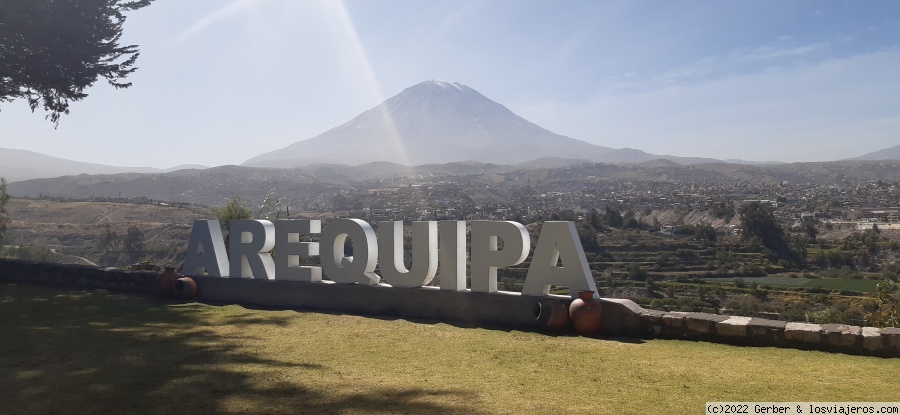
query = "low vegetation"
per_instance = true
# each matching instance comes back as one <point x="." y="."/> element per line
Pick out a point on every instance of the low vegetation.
<point x="765" y="271"/>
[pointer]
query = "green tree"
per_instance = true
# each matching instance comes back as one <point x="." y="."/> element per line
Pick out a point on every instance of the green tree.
<point x="109" y="242"/>
<point x="588" y="238"/>
<point x="869" y="239"/>
<point x="233" y="210"/>
<point x="133" y="243"/>
<point x="705" y="234"/>
<point x="595" y="220"/>
<point x="651" y="288"/>
<point x="4" y="215"/>
<point x="108" y="239"/>
<point x="809" y="228"/>
<point x="632" y="223"/>
<point x="888" y="312"/>
<point x="52" y="50"/>
<point x="636" y="272"/>
<point x="613" y="218"/>
<point x="797" y="251"/>
<point x="724" y="211"/>
<point x="759" y="222"/>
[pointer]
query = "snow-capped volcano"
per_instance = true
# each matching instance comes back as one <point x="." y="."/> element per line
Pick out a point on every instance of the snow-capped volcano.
<point x="449" y="85"/>
<point x="443" y="122"/>
<point x="432" y="122"/>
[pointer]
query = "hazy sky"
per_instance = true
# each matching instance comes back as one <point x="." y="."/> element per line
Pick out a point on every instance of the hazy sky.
<point x="221" y="81"/>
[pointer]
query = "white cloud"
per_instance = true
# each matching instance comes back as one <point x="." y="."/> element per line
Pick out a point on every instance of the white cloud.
<point x="769" y="52"/>
<point x="735" y="61"/>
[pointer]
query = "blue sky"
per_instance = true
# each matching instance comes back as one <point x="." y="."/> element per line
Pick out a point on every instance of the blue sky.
<point x="222" y="81"/>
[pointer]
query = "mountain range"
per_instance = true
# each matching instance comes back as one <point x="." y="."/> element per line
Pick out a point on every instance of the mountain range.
<point x="305" y="187"/>
<point x="18" y="165"/>
<point x="892" y="153"/>
<point x="431" y="123"/>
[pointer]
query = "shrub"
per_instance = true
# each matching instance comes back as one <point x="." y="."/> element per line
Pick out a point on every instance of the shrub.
<point x="888" y="302"/>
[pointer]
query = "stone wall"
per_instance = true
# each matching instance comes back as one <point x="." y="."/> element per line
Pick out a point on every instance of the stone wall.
<point x="620" y="317"/>
<point x="78" y="276"/>
<point x="753" y="331"/>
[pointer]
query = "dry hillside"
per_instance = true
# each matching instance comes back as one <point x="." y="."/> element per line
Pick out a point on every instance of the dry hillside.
<point x="74" y="228"/>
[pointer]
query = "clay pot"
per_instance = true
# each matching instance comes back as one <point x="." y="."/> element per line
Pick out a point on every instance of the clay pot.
<point x="165" y="282"/>
<point x="552" y="315"/>
<point x="185" y="288"/>
<point x="586" y="314"/>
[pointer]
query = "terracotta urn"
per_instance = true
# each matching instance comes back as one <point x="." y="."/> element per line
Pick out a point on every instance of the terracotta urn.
<point x="165" y="282"/>
<point x="552" y="315"/>
<point x="185" y="288"/>
<point x="586" y="314"/>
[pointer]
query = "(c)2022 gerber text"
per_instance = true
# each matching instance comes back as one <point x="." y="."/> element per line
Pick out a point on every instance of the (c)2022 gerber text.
<point x="795" y="408"/>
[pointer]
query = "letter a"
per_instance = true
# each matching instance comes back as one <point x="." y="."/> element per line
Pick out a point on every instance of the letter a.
<point x="558" y="241"/>
<point x="206" y="250"/>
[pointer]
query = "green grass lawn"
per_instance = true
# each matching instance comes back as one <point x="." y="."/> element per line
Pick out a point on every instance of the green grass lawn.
<point x="87" y="352"/>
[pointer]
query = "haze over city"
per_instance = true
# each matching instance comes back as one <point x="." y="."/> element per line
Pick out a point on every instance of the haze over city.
<point x="219" y="83"/>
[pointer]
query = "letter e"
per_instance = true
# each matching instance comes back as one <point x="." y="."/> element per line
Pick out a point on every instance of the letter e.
<point x="289" y="249"/>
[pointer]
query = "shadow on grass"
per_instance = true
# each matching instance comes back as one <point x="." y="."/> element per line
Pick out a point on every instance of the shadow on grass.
<point x="95" y="352"/>
<point x="570" y="332"/>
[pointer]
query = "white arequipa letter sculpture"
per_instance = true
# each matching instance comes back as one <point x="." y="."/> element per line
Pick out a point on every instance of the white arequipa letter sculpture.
<point x="249" y="243"/>
<point x="558" y="256"/>
<point x="289" y="249"/>
<point x="452" y="255"/>
<point x="424" y="253"/>
<point x="358" y="268"/>
<point x="486" y="258"/>
<point x="558" y="243"/>
<point x="206" y="250"/>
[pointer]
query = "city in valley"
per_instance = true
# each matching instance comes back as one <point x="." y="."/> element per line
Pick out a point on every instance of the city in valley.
<point x="799" y="242"/>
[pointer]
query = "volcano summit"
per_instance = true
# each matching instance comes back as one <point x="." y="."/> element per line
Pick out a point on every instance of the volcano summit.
<point x="433" y="122"/>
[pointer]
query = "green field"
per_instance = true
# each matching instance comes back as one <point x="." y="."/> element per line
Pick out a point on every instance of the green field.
<point x="93" y="352"/>
<point x="843" y="284"/>
<point x="825" y="283"/>
<point x="788" y="282"/>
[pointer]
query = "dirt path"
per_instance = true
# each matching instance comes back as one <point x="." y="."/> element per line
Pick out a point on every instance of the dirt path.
<point x="82" y="259"/>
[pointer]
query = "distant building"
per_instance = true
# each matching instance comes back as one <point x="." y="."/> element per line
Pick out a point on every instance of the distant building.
<point x="669" y="229"/>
